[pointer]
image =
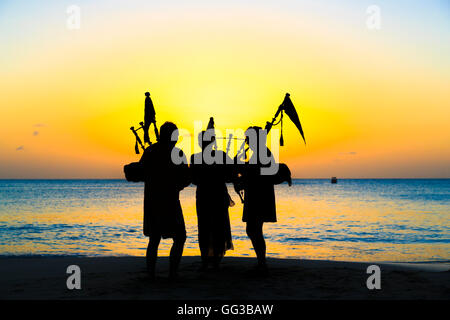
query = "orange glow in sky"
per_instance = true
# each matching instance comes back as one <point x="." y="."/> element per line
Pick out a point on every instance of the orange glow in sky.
<point x="372" y="103"/>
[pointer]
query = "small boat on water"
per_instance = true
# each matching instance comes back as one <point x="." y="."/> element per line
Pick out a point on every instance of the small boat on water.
<point x="333" y="180"/>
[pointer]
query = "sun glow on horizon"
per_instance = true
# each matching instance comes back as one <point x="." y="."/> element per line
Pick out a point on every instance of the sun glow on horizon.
<point x="372" y="104"/>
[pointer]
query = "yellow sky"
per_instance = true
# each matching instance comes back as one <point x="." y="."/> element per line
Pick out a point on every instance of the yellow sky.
<point x="369" y="105"/>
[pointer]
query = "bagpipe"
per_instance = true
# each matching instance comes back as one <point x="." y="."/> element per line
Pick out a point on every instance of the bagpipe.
<point x="285" y="107"/>
<point x="149" y="118"/>
<point x="283" y="174"/>
<point x="134" y="171"/>
<point x="138" y="139"/>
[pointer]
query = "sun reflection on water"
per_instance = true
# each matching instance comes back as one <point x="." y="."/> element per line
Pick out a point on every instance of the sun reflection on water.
<point x="354" y="220"/>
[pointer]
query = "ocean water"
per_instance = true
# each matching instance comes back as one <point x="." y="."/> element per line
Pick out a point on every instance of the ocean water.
<point x="354" y="220"/>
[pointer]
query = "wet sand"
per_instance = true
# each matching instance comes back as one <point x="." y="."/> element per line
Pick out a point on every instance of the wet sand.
<point x="125" y="278"/>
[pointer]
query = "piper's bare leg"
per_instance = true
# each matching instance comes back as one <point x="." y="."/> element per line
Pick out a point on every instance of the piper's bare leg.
<point x="255" y="233"/>
<point x="152" y="255"/>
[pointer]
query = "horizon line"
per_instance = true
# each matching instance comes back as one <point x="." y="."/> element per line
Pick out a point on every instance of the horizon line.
<point x="372" y="178"/>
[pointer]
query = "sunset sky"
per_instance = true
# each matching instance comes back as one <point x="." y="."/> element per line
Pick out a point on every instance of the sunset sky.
<point x="373" y="103"/>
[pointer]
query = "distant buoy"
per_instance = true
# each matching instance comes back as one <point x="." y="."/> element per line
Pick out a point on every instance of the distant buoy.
<point x="333" y="180"/>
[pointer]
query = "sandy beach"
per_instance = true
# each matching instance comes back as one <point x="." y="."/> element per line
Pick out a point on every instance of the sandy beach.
<point x="125" y="278"/>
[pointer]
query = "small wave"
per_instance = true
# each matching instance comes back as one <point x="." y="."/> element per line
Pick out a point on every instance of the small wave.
<point x="302" y="239"/>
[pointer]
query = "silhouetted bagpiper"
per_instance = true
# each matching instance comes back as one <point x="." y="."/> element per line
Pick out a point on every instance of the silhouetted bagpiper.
<point x="212" y="198"/>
